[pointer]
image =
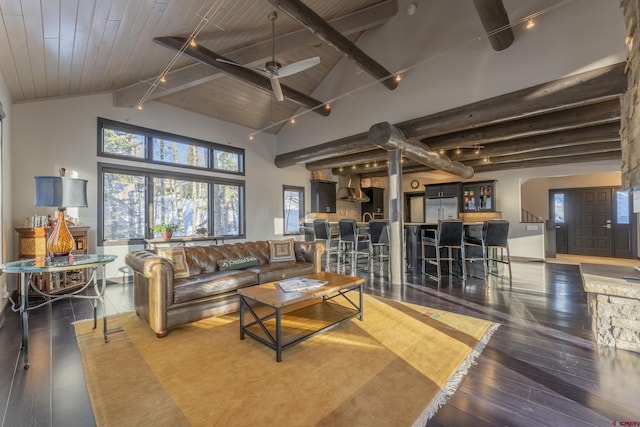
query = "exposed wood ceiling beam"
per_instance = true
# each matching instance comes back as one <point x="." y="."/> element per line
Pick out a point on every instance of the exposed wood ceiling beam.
<point x="389" y="137"/>
<point x="591" y="87"/>
<point x="595" y="157"/>
<point x="325" y="32"/>
<point x="588" y="115"/>
<point x="197" y="74"/>
<point x="603" y="133"/>
<point x="523" y="164"/>
<point x="576" y="90"/>
<point x="412" y="167"/>
<point x="375" y="155"/>
<point x="495" y="21"/>
<point x="260" y="81"/>
<point x="603" y="138"/>
<point x="590" y="124"/>
<point x="558" y="153"/>
<point x="339" y="147"/>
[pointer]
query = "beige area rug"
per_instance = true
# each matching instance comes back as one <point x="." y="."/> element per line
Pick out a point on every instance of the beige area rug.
<point x="396" y="367"/>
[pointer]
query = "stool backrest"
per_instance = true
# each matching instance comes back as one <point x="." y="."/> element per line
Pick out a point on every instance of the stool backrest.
<point x="348" y="230"/>
<point x="321" y="229"/>
<point x="379" y="231"/>
<point x="495" y="232"/>
<point x="450" y="233"/>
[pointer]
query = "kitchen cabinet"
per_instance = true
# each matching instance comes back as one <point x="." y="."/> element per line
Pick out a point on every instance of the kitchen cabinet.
<point x="478" y="196"/>
<point x="440" y="191"/>
<point x="375" y="205"/>
<point x="323" y="196"/>
<point x="32" y="243"/>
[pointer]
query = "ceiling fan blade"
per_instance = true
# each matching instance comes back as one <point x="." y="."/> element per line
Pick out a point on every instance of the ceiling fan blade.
<point x="296" y="67"/>
<point x="277" y="90"/>
<point x="261" y="70"/>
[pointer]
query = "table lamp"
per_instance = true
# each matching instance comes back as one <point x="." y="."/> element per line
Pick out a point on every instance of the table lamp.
<point x="60" y="192"/>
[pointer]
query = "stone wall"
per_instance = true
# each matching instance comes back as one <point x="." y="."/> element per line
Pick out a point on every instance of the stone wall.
<point x="630" y="102"/>
<point x="616" y="321"/>
<point x="613" y="293"/>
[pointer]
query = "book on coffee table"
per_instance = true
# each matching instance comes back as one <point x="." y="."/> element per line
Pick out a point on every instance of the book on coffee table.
<point x="297" y="284"/>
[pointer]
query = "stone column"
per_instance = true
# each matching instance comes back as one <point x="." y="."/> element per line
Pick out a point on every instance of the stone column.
<point x="630" y="101"/>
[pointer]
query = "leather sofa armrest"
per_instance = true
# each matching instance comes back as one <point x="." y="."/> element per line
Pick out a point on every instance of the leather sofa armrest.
<point x="310" y="252"/>
<point x="153" y="287"/>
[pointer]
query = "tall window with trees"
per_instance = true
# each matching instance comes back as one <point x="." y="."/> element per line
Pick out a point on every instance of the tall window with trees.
<point x="293" y="209"/>
<point x="134" y="199"/>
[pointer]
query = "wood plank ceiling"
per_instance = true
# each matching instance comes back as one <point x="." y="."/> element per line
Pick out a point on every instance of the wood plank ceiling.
<point x="59" y="48"/>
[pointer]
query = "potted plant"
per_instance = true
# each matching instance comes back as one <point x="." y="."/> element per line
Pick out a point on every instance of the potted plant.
<point x="166" y="230"/>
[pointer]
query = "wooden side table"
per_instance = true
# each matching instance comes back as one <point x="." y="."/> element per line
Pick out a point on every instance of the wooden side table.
<point x="32" y="244"/>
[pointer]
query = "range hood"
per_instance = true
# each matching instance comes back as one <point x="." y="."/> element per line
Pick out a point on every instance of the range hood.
<point x="349" y="189"/>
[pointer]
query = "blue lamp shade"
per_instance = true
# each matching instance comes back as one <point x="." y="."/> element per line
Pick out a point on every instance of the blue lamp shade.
<point x="60" y="192"/>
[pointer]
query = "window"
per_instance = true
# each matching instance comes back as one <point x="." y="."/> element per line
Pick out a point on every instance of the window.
<point x="622" y="207"/>
<point x="135" y="143"/>
<point x="293" y="198"/>
<point x="558" y="208"/>
<point x="123" y="207"/>
<point x="134" y="199"/>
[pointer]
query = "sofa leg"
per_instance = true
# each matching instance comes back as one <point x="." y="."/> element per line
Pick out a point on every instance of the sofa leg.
<point x="162" y="334"/>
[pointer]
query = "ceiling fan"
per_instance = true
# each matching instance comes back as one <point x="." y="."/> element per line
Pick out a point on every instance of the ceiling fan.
<point x="273" y="69"/>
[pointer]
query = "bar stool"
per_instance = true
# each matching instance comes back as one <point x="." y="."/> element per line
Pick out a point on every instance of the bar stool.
<point x="353" y="243"/>
<point x="449" y="235"/>
<point x="494" y="242"/>
<point x="379" y="243"/>
<point x="322" y="232"/>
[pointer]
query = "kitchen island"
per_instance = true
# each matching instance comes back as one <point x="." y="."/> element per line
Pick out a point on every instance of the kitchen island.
<point x="413" y="241"/>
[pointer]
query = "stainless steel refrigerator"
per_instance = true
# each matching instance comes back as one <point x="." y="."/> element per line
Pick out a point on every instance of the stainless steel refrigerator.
<point x="441" y="209"/>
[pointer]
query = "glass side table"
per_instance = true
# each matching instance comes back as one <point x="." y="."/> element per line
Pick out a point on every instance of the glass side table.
<point x="27" y="268"/>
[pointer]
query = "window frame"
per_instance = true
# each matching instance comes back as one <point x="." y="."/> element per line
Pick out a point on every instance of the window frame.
<point x="151" y="134"/>
<point x="301" y="191"/>
<point x="149" y="174"/>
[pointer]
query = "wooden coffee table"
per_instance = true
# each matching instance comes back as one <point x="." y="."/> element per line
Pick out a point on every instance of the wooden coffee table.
<point x="281" y="319"/>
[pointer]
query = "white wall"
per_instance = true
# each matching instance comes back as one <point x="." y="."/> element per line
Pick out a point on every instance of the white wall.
<point x="451" y="63"/>
<point x="63" y="133"/>
<point x="535" y="191"/>
<point x="6" y="190"/>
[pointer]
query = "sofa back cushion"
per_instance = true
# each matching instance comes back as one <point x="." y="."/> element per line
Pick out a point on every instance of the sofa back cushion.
<point x="281" y="250"/>
<point x="178" y="258"/>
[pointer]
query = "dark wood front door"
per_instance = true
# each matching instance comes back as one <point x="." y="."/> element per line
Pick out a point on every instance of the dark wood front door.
<point x="593" y="222"/>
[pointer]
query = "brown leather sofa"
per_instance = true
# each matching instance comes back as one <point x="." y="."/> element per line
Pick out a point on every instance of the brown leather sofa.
<point x="165" y="301"/>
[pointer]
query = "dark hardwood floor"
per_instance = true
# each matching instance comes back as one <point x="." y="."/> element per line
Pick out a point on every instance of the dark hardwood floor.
<point x="540" y="368"/>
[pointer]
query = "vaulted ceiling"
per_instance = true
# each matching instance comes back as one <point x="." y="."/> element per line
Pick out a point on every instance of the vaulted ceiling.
<point x="139" y="51"/>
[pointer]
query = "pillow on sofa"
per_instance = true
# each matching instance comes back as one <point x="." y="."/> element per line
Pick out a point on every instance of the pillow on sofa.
<point x="178" y="259"/>
<point x="237" y="263"/>
<point x="281" y="250"/>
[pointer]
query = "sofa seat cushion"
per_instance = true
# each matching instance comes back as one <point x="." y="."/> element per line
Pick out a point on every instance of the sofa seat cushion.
<point x="281" y="270"/>
<point x="210" y="284"/>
